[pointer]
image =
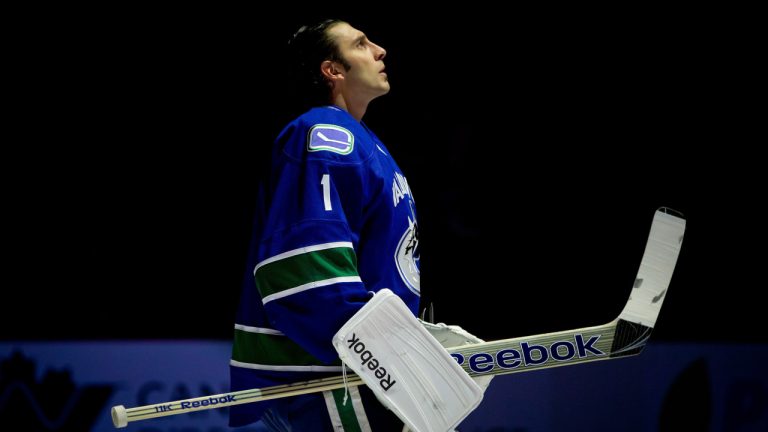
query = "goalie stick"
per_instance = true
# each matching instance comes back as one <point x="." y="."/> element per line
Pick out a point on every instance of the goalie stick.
<point x="624" y="336"/>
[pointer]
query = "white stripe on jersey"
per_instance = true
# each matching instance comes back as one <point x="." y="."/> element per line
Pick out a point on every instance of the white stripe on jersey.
<point x="308" y="286"/>
<point x="333" y="411"/>
<point x="262" y="330"/>
<point x="285" y="368"/>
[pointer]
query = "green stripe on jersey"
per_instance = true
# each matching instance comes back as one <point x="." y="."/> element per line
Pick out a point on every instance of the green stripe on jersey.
<point x="269" y="349"/>
<point x="305" y="268"/>
<point x="346" y="412"/>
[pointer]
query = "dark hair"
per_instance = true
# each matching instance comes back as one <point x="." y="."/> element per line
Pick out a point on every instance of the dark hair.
<point x="309" y="47"/>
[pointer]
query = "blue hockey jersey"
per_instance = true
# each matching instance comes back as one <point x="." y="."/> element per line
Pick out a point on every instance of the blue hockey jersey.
<point x="335" y="223"/>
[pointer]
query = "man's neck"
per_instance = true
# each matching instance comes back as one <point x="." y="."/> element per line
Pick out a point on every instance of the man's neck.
<point x="355" y="108"/>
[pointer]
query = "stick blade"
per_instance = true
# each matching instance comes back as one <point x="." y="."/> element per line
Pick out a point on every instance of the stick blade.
<point x="638" y="318"/>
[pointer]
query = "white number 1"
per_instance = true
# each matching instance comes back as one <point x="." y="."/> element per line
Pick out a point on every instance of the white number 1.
<point x="326" y="182"/>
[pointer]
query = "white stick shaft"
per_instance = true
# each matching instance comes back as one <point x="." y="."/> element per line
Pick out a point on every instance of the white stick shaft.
<point x="624" y="336"/>
<point x="122" y="416"/>
<point x="487" y="358"/>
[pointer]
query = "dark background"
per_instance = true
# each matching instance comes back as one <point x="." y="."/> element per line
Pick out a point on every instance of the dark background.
<point x="537" y="145"/>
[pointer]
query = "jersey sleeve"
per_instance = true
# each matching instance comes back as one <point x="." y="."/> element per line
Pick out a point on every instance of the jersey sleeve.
<point x="307" y="270"/>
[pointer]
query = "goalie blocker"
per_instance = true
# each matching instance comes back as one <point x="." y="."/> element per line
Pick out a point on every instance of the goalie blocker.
<point x="405" y="366"/>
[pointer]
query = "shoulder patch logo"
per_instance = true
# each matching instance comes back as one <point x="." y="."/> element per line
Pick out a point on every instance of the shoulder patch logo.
<point x="325" y="137"/>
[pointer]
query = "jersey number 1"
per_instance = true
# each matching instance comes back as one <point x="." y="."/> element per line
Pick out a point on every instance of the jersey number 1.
<point x="326" y="182"/>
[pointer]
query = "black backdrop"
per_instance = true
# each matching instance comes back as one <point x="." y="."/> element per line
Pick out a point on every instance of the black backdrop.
<point x="537" y="144"/>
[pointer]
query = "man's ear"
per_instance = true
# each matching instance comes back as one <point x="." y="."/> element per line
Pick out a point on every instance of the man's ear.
<point x="331" y="70"/>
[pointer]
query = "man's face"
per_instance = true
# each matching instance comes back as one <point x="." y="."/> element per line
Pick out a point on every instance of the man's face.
<point x="365" y="76"/>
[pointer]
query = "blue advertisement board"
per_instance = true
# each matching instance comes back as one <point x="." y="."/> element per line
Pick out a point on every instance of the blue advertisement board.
<point x="62" y="386"/>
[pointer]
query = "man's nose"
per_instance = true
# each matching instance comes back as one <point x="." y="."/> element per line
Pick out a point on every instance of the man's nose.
<point x="380" y="52"/>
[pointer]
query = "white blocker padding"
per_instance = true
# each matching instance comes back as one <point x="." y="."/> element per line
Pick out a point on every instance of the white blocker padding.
<point x="407" y="368"/>
<point x="452" y="336"/>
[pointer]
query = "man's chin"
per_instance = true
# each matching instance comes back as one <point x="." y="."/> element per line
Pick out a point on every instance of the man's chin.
<point x="381" y="91"/>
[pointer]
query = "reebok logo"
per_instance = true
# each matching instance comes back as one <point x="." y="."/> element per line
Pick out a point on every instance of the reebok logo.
<point x="531" y="354"/>
<point x="368" y="360"/>
<point x="201" y="403"/>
